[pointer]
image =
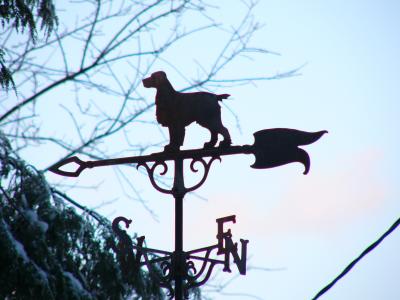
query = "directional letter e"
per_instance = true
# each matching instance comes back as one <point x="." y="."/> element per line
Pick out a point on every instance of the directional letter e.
<point x="221" y="234"/>
<point x="227" y="247"/>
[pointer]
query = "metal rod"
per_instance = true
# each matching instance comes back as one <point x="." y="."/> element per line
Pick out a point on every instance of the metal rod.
<point x="165" y="156"/>
<point x="203" y="249"/>
<point x="155" y="157"/>
<point x="215" y="261"/>
<point x="179" y="261"/>
<point x="152" y="250"/>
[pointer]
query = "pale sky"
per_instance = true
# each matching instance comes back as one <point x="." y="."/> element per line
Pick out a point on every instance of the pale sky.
<point x="308" y="227"/>
<point x="314" y="225"/>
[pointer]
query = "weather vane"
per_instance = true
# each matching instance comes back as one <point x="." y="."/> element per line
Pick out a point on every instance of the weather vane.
<point x="272" y="148"/>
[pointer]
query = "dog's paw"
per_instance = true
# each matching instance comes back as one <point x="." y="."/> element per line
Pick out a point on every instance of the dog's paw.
<point x="208" y="145"/>
<point x="171" y="148"/>
<point x="224" y="144"/>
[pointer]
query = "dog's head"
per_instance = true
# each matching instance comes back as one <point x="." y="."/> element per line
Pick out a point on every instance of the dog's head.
<point x="156" y="80"/>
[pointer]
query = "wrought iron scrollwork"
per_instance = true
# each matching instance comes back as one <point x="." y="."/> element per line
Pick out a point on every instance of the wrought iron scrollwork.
<point x="190" y="267"/>
<point x="150" y="172"/>
<point x="195" y="283"/>
<point x="167" y="266"/>
<point x="166" y="269"/>
<point x="165" y="278"/>
<point x="206" y="166"/>
<point x="193" y="277"/>
<point x="128" y="259"/>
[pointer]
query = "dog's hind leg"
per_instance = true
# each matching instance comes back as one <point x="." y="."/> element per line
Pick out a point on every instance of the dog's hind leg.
<point x="227" y="137"/>
<point x="215" y="127"/>
<point x="213" y="140"/>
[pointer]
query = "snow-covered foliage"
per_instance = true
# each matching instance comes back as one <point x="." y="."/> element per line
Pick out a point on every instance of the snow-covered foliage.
<point x="49" y="251"/>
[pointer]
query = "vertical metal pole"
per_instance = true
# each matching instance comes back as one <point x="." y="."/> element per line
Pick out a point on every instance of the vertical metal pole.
<point x="179" y="193"/>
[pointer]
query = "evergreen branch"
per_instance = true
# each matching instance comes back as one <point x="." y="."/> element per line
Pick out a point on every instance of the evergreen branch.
<point x="99" y="218"/>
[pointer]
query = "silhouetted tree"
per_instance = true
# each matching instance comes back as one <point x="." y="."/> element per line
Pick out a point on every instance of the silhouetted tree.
<point x="49" y="251"/>
<point x="21" y="15"/>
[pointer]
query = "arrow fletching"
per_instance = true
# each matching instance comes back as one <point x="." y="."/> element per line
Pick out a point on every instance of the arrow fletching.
<point x="279" y="146"/>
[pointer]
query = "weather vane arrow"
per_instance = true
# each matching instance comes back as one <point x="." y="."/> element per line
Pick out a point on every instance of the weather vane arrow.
<point x="272" y="148"/>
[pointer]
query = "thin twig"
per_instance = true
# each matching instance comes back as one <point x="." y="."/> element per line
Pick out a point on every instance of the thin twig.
<point x="103" y="221"/>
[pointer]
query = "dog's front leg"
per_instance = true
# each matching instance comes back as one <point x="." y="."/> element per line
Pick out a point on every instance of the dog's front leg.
<point x="176" y="138"/>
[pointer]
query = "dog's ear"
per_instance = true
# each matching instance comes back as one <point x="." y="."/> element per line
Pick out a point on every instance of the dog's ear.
<point x="159" y="77"/>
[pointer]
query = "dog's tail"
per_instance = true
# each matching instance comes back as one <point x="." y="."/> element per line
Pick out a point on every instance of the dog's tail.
<point x="222" y="96"/>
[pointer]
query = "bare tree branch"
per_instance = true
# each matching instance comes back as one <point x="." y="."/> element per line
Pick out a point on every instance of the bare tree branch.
<point x="88" y="74"/>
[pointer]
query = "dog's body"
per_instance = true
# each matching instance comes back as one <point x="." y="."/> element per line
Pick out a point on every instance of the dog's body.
<point x="177" y="110"/>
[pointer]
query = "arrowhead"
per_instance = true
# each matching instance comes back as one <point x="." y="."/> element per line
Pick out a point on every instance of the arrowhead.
<point x="74" y="160"/>
<point x="279" y="146"/>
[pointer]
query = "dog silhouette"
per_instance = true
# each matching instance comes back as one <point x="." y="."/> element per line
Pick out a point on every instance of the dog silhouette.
<point x="177" y="110"/>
